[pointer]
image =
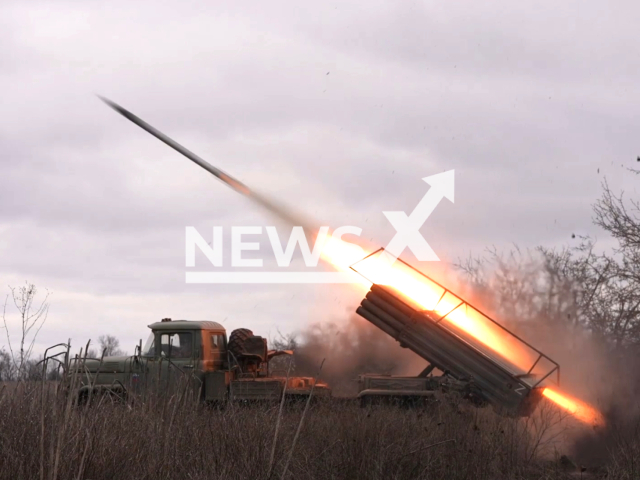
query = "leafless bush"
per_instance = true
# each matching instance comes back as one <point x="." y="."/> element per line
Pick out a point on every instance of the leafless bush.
<point x="31" y="318"/>
<point x="6" y="366"/>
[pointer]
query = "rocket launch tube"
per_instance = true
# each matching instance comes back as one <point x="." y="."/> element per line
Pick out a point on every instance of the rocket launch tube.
<point x="419" y="332"/>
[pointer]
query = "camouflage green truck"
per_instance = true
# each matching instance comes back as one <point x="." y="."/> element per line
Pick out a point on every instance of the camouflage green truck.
<point x="198" y="356"/>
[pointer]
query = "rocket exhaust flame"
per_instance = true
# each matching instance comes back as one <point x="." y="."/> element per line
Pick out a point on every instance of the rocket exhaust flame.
<point x="579" y="409"/>
<point x="452" y="312"/>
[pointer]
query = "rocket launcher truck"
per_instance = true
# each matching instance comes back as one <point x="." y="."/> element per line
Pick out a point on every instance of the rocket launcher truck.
<point x="474" y="354"/>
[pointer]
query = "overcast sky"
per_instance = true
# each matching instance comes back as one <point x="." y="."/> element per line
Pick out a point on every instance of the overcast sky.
<point x="337" y="109"/>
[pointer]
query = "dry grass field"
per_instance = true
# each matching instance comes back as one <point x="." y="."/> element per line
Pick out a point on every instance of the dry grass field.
<point x="43" y="435"/>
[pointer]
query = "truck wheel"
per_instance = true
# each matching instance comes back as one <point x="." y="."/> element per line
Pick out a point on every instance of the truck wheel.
<point x="237" y="339"/>
<point x="83" y="398"/>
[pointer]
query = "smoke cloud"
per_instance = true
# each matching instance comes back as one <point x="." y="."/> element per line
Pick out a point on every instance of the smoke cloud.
<point x="351" y="347"/>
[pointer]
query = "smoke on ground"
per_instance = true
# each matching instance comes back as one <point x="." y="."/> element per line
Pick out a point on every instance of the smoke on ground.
<point x="351" y="347"/>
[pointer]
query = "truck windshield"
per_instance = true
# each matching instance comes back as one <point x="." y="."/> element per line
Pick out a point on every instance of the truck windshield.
<point x="149" y="346"/>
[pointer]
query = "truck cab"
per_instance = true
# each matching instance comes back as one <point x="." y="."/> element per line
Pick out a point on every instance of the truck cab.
<point x="197" y="346"/>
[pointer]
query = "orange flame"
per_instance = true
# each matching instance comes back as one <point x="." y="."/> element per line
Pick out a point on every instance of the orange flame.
<point x="579" y="409"/>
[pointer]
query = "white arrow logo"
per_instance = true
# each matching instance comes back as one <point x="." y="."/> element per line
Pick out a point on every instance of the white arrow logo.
<point x="408" y="227"/>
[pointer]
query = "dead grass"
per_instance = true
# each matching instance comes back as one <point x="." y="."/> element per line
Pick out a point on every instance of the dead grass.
<point x="43" y="435"/>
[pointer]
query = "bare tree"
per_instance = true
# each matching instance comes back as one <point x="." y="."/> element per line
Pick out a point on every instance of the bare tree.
<point x="621" y="219"/>
<point x="110" y="345"/>
<point x="31" y="317"/>
<point x="597" y="292"/>
<point x="529" y="290"/>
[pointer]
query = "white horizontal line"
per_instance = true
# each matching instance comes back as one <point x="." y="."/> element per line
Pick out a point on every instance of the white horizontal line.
<point x="273" y="277"/>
